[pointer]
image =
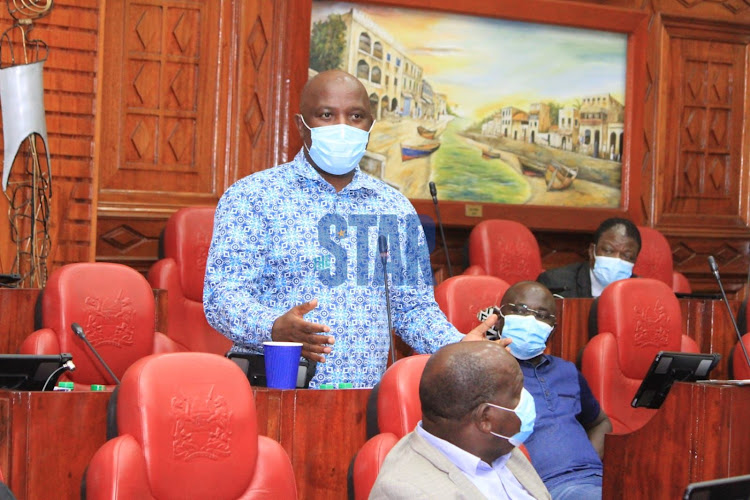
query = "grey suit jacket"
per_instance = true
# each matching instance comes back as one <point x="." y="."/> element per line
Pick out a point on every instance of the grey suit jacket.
<point x="414" y="469"/>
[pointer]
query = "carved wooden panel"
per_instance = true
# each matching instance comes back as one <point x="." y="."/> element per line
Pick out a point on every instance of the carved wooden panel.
<point x="702" y="181"/>
<point x="161" y="106"/>
<point x="194" y="101"/>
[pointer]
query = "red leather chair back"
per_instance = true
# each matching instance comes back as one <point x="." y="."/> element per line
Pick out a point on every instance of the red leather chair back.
<point x="462" y="297"/>
<point x="739" y="365"/>
<point x="505" y="249"/>
<point x="187" y="238"/>
<point x="637" y="318"/>
<point x="188" y="429"/>
<point x="399" y="411"/>
<point x="655" y="258"/>
<point x="115" y="306"/>
<point x="399" y="408"/>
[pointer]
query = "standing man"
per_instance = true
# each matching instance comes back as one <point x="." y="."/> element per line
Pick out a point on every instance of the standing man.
<point x="475" y="412"/>
<point x="612" y="255"/>
<point x="568" y="439"/>
<point x="294" y="255"/>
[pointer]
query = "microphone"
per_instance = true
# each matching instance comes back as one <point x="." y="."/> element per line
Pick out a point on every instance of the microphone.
<point x="383" y="249"/>
<point x="79" y="331"/>
<point x="715" y="270"/>
<point x="433" y="192"/>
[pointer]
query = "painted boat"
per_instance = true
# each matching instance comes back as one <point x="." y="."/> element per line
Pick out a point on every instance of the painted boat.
<point x="427" y="133"/>
<point x="532" y="168"/>
<point x="411" y="151"/>
<point x="490" y="153"/>
<point x="559" y="177"/>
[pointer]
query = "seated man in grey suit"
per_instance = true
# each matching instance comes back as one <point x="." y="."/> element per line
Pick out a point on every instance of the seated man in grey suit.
<point x="475" y="412"/>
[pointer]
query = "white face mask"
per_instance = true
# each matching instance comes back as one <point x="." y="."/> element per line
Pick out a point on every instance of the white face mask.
<point x="337" y="149"/>
<point x="610" y="269"/>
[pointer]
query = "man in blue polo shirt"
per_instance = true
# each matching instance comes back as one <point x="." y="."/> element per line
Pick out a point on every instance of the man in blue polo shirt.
<point x="568" y="439"/>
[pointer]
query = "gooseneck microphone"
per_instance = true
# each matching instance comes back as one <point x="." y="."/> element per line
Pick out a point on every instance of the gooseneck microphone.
<point x="433" y="192"/>
<point x="383" y="249"/>
<point x="715" y="271"/>
<point x="79" y="331"/>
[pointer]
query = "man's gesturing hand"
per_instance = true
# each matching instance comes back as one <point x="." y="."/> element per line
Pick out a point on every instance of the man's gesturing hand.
<point x="291" y="327"/>
<point x="478" y="333"/>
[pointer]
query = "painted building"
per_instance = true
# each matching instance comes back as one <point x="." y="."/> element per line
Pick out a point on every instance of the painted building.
<point x="539" y="120"/>
<point x="507" y="115"/>
<point x="598" y="114"/>
<point x="376" y="58"/>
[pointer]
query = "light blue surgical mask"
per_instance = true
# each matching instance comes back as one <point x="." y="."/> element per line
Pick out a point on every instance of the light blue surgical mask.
<point x="337" y="149"/>
<point x="526" y="413"/>
<point x="610" y="269"/>
<point x="529" y="335"/>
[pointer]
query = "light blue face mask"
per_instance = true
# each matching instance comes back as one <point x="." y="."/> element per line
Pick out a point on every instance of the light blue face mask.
<point x="529" y="335"/>
<point x="610" y="269"/>
<point x="526" y="413"/>
<point x="337" y="149"/>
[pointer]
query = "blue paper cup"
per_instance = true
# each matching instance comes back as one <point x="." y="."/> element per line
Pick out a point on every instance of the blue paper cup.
<point x="282" y="363"/>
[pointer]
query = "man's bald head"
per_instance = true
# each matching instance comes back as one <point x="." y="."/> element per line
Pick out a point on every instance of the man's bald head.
<point x="460" y="376"/>
<point x="328" y="85"/>
<point x="524" y="292"/>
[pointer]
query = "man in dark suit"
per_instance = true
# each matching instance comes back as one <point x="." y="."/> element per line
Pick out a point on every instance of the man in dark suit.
<point x="612" y="255"/>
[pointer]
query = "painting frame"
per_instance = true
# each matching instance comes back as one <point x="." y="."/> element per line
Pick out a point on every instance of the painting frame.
<point x="630" y="22"/>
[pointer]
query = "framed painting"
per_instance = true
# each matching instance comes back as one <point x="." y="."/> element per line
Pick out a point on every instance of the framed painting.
<point x="523" y="110"/>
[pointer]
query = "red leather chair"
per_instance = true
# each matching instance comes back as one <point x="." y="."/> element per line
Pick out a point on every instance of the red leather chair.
<point x="188" y="429"/>
<point x="187" y="238"/>
<point x="462" y="297"/>
<point x="740" y="368"/>
<point x="399" y="410"/>
<point x="505" y="249"/>
<point x="637" y="318"/>
<point x="655" y="261"/>
<point x="115" y="306"/>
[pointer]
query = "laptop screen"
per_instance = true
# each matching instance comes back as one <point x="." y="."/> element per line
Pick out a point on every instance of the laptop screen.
<point x="730" y="488"/>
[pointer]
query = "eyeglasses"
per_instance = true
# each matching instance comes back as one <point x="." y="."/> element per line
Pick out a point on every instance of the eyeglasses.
<point x="524" y="310"/>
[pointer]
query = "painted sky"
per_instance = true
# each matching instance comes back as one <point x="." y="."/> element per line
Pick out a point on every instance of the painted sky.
<point x="483" y="64"/>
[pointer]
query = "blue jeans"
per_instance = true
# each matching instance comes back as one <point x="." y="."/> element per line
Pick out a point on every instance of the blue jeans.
<point x="585" y="488"/>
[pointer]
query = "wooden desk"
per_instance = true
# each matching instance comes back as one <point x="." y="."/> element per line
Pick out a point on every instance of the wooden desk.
<point x="48" y="438"/>
<point x="699" y="433"/>
<point x="705" y="321"/>
<point x="321" y="430"/>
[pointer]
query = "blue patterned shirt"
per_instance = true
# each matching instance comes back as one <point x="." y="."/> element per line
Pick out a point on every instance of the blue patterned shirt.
<point x="284" y="236"/>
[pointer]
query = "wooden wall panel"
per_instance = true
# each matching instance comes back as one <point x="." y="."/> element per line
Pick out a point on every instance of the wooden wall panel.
<point x="71" y="32"/>
<point x="702" y="181"/>
<point x="196" y="94"/>
<point x="197" y="101"/>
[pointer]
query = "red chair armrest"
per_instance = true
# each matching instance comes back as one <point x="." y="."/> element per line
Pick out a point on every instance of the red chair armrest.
<point x="368" y="461"/>
<point x="475" y="270"/>
<point x="43" y="341"/>
<point x="274" y="474"/>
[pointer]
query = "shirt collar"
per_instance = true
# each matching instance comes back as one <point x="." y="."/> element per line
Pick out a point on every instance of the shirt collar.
<point x="468" y="463"/>
<point x="303" y="168"/>
<point x="546" y="359"/>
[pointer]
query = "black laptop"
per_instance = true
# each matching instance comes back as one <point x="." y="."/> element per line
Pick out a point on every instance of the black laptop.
<point x="31" y="372"/>
<point x="730" y="488"/>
